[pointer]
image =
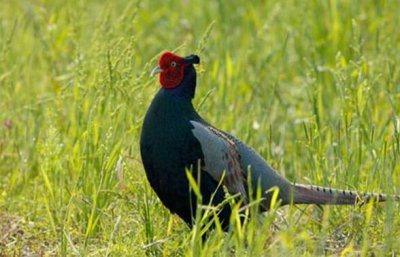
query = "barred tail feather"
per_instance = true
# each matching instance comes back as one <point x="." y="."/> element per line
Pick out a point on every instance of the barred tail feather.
<point x="305" y="194"/>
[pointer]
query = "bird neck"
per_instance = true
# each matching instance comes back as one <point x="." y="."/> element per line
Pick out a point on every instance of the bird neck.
<point x="166" y="110"/>
<point x="187" y="88"/>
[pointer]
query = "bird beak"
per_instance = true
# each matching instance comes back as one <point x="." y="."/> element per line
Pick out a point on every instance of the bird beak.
<point x="155" y="71"/>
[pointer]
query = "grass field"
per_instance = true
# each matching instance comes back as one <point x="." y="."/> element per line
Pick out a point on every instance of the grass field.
<point x="314" y="86"/>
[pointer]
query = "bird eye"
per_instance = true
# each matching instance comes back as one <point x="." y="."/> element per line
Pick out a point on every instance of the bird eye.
<point x="173" y="64"/>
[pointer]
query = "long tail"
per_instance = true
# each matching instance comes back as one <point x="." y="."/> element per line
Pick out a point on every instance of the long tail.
<point x="305" y="194"/>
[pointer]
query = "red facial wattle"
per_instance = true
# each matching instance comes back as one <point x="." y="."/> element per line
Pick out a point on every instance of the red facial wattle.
<point x="173" y="68"/>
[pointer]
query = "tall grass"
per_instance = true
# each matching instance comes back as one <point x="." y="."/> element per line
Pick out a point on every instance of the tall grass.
<point x="314" y="86"/>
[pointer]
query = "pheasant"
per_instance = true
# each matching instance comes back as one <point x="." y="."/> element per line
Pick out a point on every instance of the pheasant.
<point x="176" y="139"/>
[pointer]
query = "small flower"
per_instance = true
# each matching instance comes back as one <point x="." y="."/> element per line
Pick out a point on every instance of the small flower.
<point x="256" y="125"/>
<point x="8" y="124"/>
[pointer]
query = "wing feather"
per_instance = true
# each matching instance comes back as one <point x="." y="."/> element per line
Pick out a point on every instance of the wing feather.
<point x="221" y="158"/>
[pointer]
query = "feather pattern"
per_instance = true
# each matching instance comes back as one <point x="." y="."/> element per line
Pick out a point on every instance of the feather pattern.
<point x="221" y="158"/>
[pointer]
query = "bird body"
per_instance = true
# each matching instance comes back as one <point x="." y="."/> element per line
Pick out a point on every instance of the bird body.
<point x="175" y="138"/>
<point x="168" y="148"/>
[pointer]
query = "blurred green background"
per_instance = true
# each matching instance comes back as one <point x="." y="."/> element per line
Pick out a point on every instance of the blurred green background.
<point x="314" y="86"/>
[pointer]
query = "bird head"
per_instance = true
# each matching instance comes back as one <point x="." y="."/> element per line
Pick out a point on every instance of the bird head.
<point x="172" y="69"/>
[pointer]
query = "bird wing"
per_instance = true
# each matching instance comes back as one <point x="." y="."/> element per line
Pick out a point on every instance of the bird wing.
<point x="262" y="175"/>
<point x="221" y="157"/>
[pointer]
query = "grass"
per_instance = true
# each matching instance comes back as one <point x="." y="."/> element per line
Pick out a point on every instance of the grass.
<point x="314" y="86"/>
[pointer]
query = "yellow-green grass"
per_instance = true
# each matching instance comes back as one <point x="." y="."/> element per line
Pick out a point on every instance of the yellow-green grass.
<point x="314" y="86"/>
